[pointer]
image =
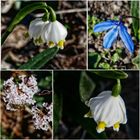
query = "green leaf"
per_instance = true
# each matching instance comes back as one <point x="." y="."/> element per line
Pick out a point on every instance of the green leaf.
<point x="104" y="65"/>
<point x="139" y="34"/>
<point x="115" y="57"/>
<point x="25" y="11"/>
<point x="20" y="15"/>
<point x="136" y="61"/>
<point x="41" y="59"/>
<point x="57" y="112"/>
<point x="119" y="51"/>
<point x="86" y="87"/>
<point x="39" y="100"/>
<point x="1" y="84"/>
<point x="92" y="20"/>
<point x="115" y="74"/>
<point x="45" y="82"/>
<point x="135" y="13"/>
<point x="94" y="59"/>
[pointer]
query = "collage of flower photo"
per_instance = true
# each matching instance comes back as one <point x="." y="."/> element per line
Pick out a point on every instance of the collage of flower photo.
<point x="69" y="69"/>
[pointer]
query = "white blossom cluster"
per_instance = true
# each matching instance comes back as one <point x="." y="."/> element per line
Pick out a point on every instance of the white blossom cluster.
<point x="40" y="119"/>
<point x="20" y="93"/>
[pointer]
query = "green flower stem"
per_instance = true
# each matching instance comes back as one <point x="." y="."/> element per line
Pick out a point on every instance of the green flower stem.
<point x="52" y="14"/>
<point x="46" y="16"/>
<point x="22" y="14"/>
<point x="116" y="89"/>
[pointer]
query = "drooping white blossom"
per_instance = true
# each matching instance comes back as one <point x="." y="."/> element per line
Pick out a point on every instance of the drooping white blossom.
<point x="52" y="33"/>
<point x="21" y="92"/>
<point x="108" y="111"/>
<point x="35" y="30"/>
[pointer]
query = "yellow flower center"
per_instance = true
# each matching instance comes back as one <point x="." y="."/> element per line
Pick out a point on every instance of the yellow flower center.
<point x="61" y="44"/>
<point x="101" y="127"/>
<point x="51" y="44"/>
<point x="116" y="126"/>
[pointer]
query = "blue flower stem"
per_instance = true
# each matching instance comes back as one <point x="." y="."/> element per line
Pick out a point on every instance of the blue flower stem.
<point x="116" y="88"/>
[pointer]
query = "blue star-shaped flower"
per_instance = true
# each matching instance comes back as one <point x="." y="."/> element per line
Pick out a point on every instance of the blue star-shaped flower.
<point x="116" y="28"/>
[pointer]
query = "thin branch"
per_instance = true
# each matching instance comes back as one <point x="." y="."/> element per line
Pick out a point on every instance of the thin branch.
<point x="65" y="12"/>
<point x="71" y="11"/>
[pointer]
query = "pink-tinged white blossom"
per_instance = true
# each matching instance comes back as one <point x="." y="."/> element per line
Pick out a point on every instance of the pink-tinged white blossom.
<point x="41" y="119"/>
<point x="21" y="92"/>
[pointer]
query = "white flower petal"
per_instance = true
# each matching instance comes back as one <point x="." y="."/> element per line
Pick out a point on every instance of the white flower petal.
<point x="54" y="31"/>
<point x="100" y="130"/>
<point x="108" y="109"/>
<point x="123" y="119"/>
<point x="35" y="28"/>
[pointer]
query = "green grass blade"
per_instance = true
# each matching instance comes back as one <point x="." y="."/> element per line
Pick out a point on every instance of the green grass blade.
<point x="135" y="13"/>
<point x="41" y="59"/>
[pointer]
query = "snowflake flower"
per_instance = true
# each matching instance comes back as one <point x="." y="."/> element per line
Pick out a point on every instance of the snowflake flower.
<point x="35" y="30"/>
<point x="40" y="119"/>
<point x="54" y="33"/>
<point x="18" y="94"/>
<point x="108" y="111"/>
<point x="116" y="28"/>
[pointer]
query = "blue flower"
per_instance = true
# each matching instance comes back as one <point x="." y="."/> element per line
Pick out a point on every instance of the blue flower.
<point x="116" y="28"/>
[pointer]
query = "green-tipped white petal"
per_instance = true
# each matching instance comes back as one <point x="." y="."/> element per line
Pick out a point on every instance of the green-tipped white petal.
<point x="36" y="27"/>
<point x="55" y="32"/>
<point x="109" y="109"/>
<point x="116" y="126"/>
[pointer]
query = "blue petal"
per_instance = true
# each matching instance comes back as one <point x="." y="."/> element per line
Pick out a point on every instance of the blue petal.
<point x="110" y="37"/>
<point x="126" y="38"/>
<point x="103" y="26"/>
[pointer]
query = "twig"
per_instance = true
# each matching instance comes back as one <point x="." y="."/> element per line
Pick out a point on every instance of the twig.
<point x="72" y="11"/>
<point x="65" y="11"/>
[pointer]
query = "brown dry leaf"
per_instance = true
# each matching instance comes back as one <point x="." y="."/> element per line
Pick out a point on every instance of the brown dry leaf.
<point x="17" y="38"/>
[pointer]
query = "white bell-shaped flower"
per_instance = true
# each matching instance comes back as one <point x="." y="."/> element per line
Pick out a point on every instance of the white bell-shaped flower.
<point x="35" y="30"/>
<point x="54" y="33"/>
<point x="108" y="111"/>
